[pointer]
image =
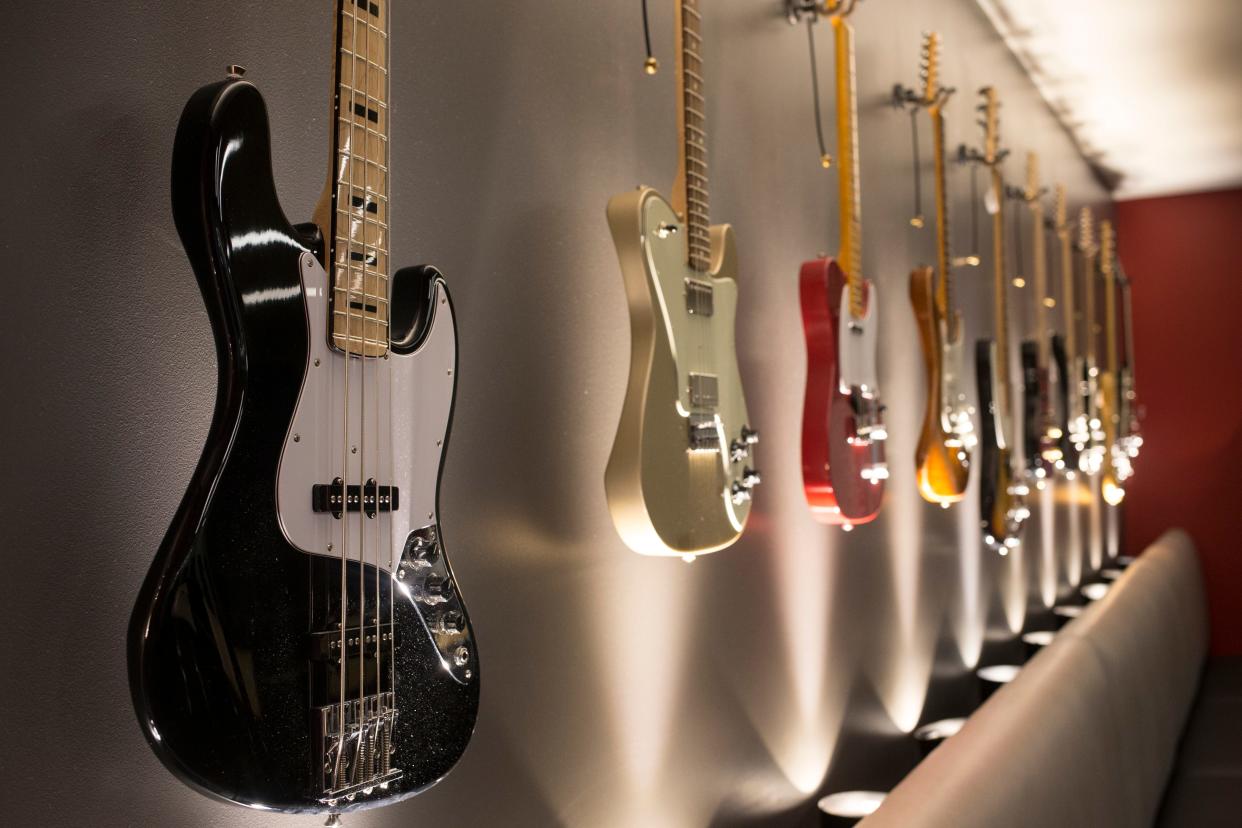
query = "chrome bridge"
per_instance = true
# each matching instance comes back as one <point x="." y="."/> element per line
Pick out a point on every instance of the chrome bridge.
<point x="357" y="753"/>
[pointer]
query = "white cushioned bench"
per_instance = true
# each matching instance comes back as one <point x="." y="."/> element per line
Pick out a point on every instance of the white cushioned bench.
<point x="1088" y="733"/>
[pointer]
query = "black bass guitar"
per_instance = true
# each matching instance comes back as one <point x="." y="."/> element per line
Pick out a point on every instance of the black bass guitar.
<point x="300" y="643"/>
<point x="1002" y="488"/>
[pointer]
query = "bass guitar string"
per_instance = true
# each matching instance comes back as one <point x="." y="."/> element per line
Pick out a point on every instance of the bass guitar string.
<point x="383" y="475"/>
<point x="368" y="250"/>
<point x="348" y="149"/>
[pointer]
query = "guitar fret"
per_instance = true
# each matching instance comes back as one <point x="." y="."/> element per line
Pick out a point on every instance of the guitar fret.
<point x="368" y="161"/>
<point x="368" y="129"/>
<point x="370" y="222"/>
<point x="370" y="63"/>
<point x="344" y="87"/>
<point x="383" y="34"/>
<point x="358" y="268"/>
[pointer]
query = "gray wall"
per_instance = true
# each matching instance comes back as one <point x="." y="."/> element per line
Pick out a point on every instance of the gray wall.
<point x="617" y="690"/>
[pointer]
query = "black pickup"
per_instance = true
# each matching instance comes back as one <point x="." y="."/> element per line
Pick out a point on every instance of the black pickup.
<point x="327" y="497"/>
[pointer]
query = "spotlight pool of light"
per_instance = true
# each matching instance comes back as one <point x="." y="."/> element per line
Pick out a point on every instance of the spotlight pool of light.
<point x="848" y="807"/>
<point x="929" y="736"/>
<point x="993" y="676"/>
<point x="1036" y="640"/>
<point x="1094" y="592"/>
<point x="1066" y="613"/>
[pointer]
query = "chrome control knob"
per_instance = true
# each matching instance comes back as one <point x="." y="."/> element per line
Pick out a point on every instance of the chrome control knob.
<point x="740" y="494"/>
<point x="450" y="622"/>
<point x="437" y="588"/>
<point x="424" y="551"/>
<point x="750" y="477"/>
<point x="750" y="436"/>
<point x="738" y="451"/>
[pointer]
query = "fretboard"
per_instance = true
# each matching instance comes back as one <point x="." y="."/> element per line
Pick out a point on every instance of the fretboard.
<point x="944" y="293"/>
<point x="850" y="255"/>
<point x="357" y="225"/>
<point x="690" y="196"/>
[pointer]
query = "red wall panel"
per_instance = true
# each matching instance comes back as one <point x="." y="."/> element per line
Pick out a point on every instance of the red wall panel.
<point x="1184" y="258"/>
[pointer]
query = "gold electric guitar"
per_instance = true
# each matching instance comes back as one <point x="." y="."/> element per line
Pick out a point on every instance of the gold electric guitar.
<point x="1002" y="488"/>
<point x="1130" y="432"/>
<point x="1071" y="370"/>
<point x="1042" y="431"/>
<point x="947" y="438"/>
<point x="680" y="477"/>
<point x="1091" y="447"/>
<point x="1116" y="466"/>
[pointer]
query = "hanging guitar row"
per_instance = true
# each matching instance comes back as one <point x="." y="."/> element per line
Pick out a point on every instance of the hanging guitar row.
<point x="300" y="642"/>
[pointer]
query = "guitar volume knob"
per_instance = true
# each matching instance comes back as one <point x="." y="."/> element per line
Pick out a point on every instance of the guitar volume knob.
<point x="738" y="451"/>
<point x="448" y="623"/>
<point x="750" y="477"/>
<point x="436" y="589"/>
<point x="739" y="493"/>
<point x="750" y="436"/>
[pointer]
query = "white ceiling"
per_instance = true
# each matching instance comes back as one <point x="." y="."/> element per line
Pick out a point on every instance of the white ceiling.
<point x="1150" y="89"/>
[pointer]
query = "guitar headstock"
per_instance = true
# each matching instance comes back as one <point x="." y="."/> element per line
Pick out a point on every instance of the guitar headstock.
<point x="1060" y="212"/>
<point x="1108" y="249"/>
<point x="1086" y="231"/>
<point x="990" y="107"/>
<point x="929" y="67"/>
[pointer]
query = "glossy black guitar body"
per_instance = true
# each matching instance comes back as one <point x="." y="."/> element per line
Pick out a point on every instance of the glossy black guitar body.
<point x="1032" y="404"/>
<point x="222" y="660"/>
<point x="1001" y="508"/>
<point x="1061" y="358"/>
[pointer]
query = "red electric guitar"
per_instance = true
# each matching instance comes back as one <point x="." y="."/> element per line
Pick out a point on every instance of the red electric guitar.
<point x="843" y="468"/>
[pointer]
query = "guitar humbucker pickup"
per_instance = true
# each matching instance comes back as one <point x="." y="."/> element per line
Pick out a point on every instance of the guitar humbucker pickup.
<point x="704" y="391"/>
<point x="698" y="297"/>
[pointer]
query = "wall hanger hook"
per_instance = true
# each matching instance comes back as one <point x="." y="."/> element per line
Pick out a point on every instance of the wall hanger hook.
<point x="803" y="11"/>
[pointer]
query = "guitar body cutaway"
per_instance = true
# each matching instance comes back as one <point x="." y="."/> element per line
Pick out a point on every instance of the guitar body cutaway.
<point x="678" y="479"/>
<point x="833" y="462"/>
<point x="942" y="457"/>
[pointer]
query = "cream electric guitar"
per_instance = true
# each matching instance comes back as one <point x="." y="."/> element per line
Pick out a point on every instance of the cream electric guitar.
<point x="1091" y="454"/>
<point x="680" y="476"/>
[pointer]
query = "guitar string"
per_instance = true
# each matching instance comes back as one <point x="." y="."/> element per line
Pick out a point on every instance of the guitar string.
<point x="389" y="726"/>
<point x="349" y="240"/>
<point x="367" y="251"/>
<point x="381" y="334"/>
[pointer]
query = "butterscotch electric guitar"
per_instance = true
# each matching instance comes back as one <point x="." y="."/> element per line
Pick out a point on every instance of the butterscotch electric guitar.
<point x="947" y="437"/>
<point x="680" y="477"/>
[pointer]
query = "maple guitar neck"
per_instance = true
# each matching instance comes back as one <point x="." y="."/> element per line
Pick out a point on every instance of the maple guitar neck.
<point x="353" y="212"/>
<point x="999" y="285"/>
<point x="850" y="255"/>
<point x="944" y="290"/>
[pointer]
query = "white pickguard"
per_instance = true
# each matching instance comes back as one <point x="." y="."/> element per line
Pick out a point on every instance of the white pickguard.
<point x="398" y="416"/>
<point x="998" y="402"/>
<point x="956" y="411"/>
<point x="857" y="347"/>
